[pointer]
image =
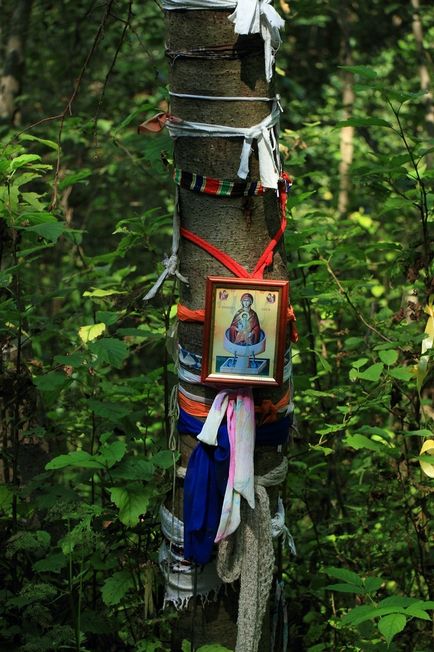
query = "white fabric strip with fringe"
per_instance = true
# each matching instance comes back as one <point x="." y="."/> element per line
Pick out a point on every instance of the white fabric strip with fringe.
<point x="183" y="580"/>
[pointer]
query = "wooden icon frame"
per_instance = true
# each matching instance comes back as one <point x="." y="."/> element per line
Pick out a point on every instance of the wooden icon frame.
<point x="245" y="331"/>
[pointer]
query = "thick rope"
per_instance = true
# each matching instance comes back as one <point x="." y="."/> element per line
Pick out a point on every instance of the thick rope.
<point x="248" y="554"/>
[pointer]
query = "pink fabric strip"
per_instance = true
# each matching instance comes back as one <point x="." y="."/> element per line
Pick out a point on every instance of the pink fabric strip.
<point x="239" y="407"/>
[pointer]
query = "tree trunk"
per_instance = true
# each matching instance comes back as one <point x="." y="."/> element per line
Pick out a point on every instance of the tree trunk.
<point x="424" y="76"/>
<point x="13" y="66"/>
<point x="226" y="222"/>
<point x="347" y="133"/>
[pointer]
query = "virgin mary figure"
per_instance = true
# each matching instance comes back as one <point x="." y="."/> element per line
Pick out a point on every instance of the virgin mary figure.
<point x="245" y="328"/>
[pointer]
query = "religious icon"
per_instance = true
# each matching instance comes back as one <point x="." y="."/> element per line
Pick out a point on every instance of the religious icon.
<point x="245" y="329"/>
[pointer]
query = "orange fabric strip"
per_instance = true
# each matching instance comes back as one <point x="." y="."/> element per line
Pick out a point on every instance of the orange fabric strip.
<point x="267" y="410"/>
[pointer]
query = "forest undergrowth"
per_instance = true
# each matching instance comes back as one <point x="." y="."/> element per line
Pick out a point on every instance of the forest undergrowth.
<point x="86" y="368"/>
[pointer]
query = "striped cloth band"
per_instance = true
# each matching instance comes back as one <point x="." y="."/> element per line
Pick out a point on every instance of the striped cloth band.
<point x="218" y="187"/>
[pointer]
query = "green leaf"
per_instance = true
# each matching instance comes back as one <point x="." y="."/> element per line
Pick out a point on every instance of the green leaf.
<point x="22" y="160"/>
<point x="359" y="615"/>
<point x="372" y="373"/>
<point x="353" y="375"/>
<point x="6" y="497"/>
<point x="109" y="454"/>
<point x="363" y="122"/>
<point x="364" y="71"/>
<point x="74" y="360"/>
<point x="51" y="564"/>
<point x="100" y="294"/>
<point x="75" y="177"/>
<point x="49" y="230"/>
<point x="109" y="318"/>
<point x="391" y="625"/>
<point x="110" y="350"/>
<point x="133" y="468"/>
<point x="75" y="458"/>
<point x="51" y="382"/>
<point x="91" y="332"/>
<point x="132" y="502"/>
<point x="418" y="433"/>
<point x="372" y="584"/>
<point x="48" y="143"/>
<point x="331" y="428"/>
<point x="165" y="459"/>
<point x="108" y="410"/>
<point x="345" y="575"/>
<point x="416" y="612"/>
<point x="389" y="356"/>
<point x="401" y="373"/>
<point x="359" y="363"/>
<point x="359" y="441"/>
<point x="116" y="587"/>
<point x="346" y="588"/>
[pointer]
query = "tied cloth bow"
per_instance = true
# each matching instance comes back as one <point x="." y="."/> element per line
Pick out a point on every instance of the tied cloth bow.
<point x="170" y="263"/>
<point x="260" y="17"/>
<point x="239" y="409"/>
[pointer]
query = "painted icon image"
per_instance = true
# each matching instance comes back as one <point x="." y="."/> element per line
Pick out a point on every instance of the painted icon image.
<point x="245" y="340"/>
<point x="245" y="326"/>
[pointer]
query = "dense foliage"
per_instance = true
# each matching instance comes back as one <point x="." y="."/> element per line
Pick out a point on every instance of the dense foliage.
<point x="86" y="369"/>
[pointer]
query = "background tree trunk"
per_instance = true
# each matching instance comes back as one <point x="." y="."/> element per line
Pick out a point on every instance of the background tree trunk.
<point x="13" y="62"/>
<point x="424" y="76"/>
<point x="347" y="133"/>
<point x="225" y="223"/>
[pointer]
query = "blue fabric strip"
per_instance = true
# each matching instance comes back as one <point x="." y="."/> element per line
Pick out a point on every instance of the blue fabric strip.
<point x="270" y="434"/>
<point x="206" y="478"/>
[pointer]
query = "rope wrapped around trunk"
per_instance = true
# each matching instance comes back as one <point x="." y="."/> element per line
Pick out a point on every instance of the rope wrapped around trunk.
<point x="248" y="555"/>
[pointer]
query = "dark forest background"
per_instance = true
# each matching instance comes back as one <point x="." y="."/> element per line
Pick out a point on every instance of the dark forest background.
<point x="85" y="207"/>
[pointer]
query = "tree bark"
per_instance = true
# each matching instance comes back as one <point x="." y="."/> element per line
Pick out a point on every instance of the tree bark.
<point x="424" y="76"/>
<point x="13" y="65"/>
<point x="225" y="223"/>
<point x="347" y="133"/>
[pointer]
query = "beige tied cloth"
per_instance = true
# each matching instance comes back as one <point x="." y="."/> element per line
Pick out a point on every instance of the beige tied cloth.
<point x="248" y="554"/>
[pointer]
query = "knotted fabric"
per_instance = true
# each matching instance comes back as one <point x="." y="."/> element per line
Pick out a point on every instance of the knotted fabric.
<point x="239" y="409"/>
<point x="260" y="17"/>
<point x="248" y="555"/>
<point x="170" y="264"/>
<point x="263" y="133"/>
<point x="249" y="17"/>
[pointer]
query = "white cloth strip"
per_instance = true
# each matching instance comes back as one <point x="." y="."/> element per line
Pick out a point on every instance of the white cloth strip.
<point x="260" y="17"/>
<point x="263" y="133"/>
<point x="278" y="527"/>
<point x="249" y="17"/>
<point x="183" y="580"/>
<point x="221" y="98"/>
<point x="195" y="397"/>
<point x="172" y="527"/>
<point x="170" y="264"/>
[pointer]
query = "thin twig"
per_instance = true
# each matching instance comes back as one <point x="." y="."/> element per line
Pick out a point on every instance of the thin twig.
<point x="357" y="312"/>
<point x="127" y="24"/>
<point x="68" y="108"/>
